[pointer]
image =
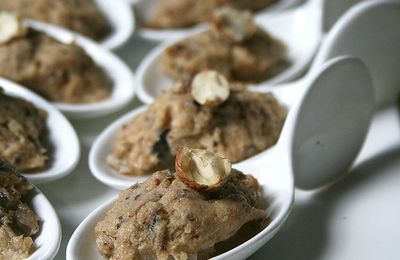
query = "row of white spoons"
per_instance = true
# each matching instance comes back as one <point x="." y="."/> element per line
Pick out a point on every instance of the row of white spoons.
<point x="300" y="29"/>
<point x="339" y="41"/>
<point x="328" y="120"/>
<point x="318" y="93"/>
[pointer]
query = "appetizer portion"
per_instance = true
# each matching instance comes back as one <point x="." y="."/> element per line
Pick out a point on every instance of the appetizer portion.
<point x="172" y="216"/>
<point x="18" y="222"/>
<point x="184" y="13"/>
<point x="82" y="16"/>
<point x="233" y="45"/>
<point x="208" y="113"/>
<point x="22" y="126"/>
<point x="57" y="71"/>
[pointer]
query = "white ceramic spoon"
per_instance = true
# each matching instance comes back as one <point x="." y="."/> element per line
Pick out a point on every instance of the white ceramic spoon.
<point x="145" y="10"/>
<point x="321" y="136"/>
<point x="300" y="30"/>
<point x="369" y="30"/>
<point x="49" y="239"/>
<point x="123" y="87"/>
<point x="65" y="149"/>
<point x="121" y="18"/>
<point x="101" y="148"/>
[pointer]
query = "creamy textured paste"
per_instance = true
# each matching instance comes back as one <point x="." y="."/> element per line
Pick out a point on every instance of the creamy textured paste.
<point x="59" y="72"/>
<point x="254" y="60"/>
<point x="163" y="218"/>
<point x="245" y="124"/>
<point x="22" y="130"/>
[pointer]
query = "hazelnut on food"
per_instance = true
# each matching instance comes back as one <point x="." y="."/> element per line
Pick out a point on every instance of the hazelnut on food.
<point x="201" y="169"/>
<point x="234" y="25"/>
<point x="11" y="27"/>
<point x="210" y="88"/>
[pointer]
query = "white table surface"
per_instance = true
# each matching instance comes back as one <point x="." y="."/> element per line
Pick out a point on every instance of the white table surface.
<point x="357" y="218"/>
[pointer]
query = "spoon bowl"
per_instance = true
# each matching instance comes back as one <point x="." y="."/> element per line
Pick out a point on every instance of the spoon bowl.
<point x="119" y="73"/>
<point x="65" y="149"/>
<point x="331" y="122"/>
<point x="144" y="10"/>
<point x="275" y="168"/>
<point x="288" y="26"/>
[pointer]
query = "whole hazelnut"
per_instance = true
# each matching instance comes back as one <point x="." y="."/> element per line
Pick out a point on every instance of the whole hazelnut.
<point x="210" y="88"/>
<point x="201" y="169"/>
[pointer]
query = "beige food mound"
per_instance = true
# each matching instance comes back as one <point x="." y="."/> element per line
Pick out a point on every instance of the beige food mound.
<point x="82" y="16"/>
<point x="22" y="126"/>
<point x="256" y="59"/>
<point x="183" y="13"/>
<point x="18" y="222"/>
<point x="59" y="72"/>
<point x="242" y="126"/>
<point x="164" y="218"/>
